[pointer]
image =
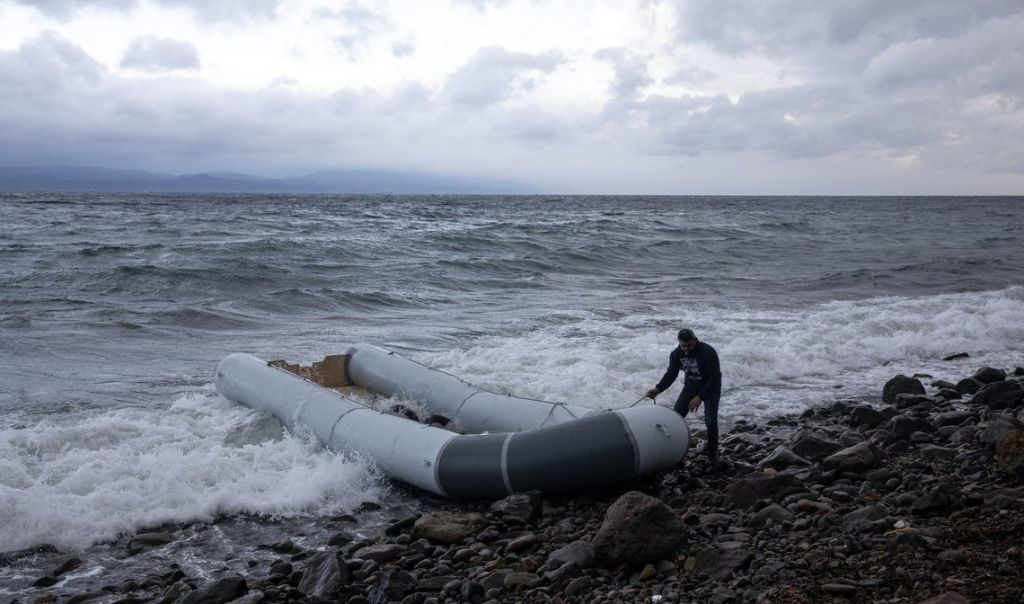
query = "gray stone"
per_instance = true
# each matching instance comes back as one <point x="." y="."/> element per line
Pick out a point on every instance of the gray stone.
<point x="759" y="485"/>
<point x="838" y="589"/>
<point x="496" y="578"/>
<point x="868" y="519"/>
<point x="953" y="418"/>
<point x="1010" y="452"/>
<point x="937" y="452"/>
<point x="997" y="427"/>
<point x="380" y="553"/>
<point x="941" y="497"/>
<point x="638" y="528"/>
<point x="780" y="459"/>
<point x="859" y="457"/>
<point x="147" y="541"/>
<point x="866" y="415"/>
<point x="391" y="587"/>
<point x="578" y="586"/>
<point x="989" y="375"/>
<point x="447" y="527"/>
<point x="968" y="386"/>
<point x="966" y="434"/>
<point x="522" y="543"/>
<point x="1000" y="395"/>
<point x="812" y="446"/>
<point x="218" y="592"/>
<point x="716" y="563"/>
<point x="775" y="513"/>
<point x="325" y="575"/>
<point x="901" y="384"/>
<point x="522" y="507"/>
<point x="902" y="426"/>
<point x="519" y="579"/>
<point x="578" y="552"/>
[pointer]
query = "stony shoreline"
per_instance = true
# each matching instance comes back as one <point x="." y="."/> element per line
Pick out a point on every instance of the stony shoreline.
<point x="915" y="497"/>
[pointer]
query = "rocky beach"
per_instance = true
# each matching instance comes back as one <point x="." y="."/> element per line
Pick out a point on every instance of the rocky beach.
<point x="915" y="497"/>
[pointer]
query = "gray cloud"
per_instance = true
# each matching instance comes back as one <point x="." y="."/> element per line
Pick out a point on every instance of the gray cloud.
<point x="205" y="10"/>
<point x="160" y="54"/>
<point x="494" y="74"/>
<point x="362" y="25"/>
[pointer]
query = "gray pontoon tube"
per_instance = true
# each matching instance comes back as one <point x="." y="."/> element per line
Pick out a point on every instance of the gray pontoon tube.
<point x="597" y="449"/>
<point x="472" y="408"/>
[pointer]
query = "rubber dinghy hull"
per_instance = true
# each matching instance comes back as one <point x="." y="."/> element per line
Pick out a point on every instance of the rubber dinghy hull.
<point x="597" y="449"/>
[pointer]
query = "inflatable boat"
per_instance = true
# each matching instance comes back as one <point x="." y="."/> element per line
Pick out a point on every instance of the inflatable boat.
<point x="512" y="444"/>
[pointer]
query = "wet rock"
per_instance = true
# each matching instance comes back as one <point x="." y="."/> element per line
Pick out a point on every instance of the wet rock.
<point x="838" y="589"/>
<point x="989" y="375"/>
<point x="147" y="541"/>
<point x="997" y="427"/>
<point x="941" y="497"/>
<point x="950" y="597"/>
<point x="218" y="592"/>
<point x="85" y="598"/>
<point x="775" y="513"/>
<point x="521" y="580"/>
<point x="953" y="418"/>
<point x="968" y="386"/>
<point x="859" y="457"/>
<point x="906" y="401"/>
<point x="868" y="519"/>
<point x="447" y="527"/>
<point x="638" y="528"/>
<point x="1000" y="395"/>
<point x="45" y="582"/>
<point x="867" y="416"/>
<point x="578" y="552"/>
<point x="325" y="575"/>
<point x="902" y="426"/>
<point x="759" y="485"/>
<point x="340" y="538"/>
<point x="398" y="526"/>
<point x="811" y="446"/>
<point x="521" y="507"/>
<point x="522" y="543"/>
<point x="953" y="357"/>
<point x="286" y="547"/>
<point x="1010" y="452"/>
<point x="901" y="384"/>
<point x="718" y="563"/>
<point x="391" y="587"/>
<point x="947" y="394"/>
<point x="780" y="459"/>
<point x="67" y="566"/>
<point x="380" y="553"/>
<point x="470" y="590"/>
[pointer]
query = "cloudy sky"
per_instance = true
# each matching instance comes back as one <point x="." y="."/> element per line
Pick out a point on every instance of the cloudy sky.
<point x="589" y="96"/>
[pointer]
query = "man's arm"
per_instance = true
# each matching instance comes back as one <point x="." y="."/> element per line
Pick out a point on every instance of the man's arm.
<point x="670" y="374"/>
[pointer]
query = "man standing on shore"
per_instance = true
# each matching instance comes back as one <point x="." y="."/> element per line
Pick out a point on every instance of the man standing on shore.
<point x="703" y="384"/>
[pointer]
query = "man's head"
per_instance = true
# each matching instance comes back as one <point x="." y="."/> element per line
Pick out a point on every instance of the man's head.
<point x="687" y="340"/>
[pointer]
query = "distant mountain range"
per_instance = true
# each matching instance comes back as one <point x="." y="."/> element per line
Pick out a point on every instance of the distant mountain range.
<point x="77" y="178"/>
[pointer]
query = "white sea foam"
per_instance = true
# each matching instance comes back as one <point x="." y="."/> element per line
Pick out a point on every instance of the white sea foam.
<point x="772" y="361"/>
<point x="91" y="478"/>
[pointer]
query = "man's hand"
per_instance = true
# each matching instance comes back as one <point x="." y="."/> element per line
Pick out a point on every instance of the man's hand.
<point x="653" y="392"/>
<point x="694" y="403"/>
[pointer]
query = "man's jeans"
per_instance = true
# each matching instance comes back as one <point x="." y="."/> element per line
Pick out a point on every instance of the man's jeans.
<point x="682" y="407"/>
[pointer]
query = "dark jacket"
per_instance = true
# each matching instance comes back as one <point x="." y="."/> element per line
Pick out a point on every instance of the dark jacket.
<point x="705" y="378"/>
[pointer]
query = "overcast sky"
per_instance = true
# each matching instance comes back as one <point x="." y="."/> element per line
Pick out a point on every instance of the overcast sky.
<point x="589" y="96"/>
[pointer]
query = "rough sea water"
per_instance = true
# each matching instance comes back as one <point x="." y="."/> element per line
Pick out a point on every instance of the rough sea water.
<point x="115" y="309"/>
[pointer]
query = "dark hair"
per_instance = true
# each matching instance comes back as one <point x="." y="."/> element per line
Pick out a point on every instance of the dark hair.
<point x="687" y="335"/>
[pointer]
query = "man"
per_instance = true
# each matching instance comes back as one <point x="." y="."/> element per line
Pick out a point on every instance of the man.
<point x="703" y="384"/>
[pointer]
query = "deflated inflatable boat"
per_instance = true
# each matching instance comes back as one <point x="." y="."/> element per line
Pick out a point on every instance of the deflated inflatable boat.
<point x="524" y="445"/>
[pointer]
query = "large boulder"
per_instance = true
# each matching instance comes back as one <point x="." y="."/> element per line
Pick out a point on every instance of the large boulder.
<point x="901" y="384"/>
<point x="813" y="446"/>
<point x="325" y="575"/>
<point x="902" y="426"/>
<point x="218" y="592"/>
<point x="968" y="386"/>
<point x="861" y="456"/>
<point x="1000" y="395"/>
<point x="759" y="485"/>
<point x="953" y="418"/>
<point x="866" y="416"/>
<point x="997" y="427"/>
<point x="989" y="375"/>
<point x="447" y="527"/>
<point x="147" y="541"/>
<point x="637" y="529"/>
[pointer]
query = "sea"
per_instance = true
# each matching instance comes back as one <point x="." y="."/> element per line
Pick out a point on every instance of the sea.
<point x="116" y="308"/>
